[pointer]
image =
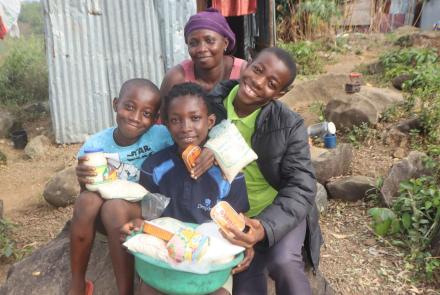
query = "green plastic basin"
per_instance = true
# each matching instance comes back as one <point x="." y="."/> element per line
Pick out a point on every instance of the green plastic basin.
<point x="164" y="278"/>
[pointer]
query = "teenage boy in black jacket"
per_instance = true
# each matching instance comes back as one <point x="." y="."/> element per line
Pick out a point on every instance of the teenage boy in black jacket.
<point x="281" y="184"/>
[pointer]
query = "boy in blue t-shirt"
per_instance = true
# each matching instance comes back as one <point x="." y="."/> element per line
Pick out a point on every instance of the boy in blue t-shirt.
<point x="188" y="115"/>
<point x="127" y="145"/>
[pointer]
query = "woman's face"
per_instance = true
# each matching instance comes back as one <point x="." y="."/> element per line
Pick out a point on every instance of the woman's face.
<point x="206" y="48"/>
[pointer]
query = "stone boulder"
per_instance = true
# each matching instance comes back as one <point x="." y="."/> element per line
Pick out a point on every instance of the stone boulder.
<point x="395" y="138"/>
<point x="399" y="80"/>
<point x="410" y="167"/>
<point x="6" y="122"/>
<point x="62" y="189"/>
<point x="47" y="270"/>
<point x="330" y="163"/>
<point x="421" y="39"/>
<point x="350" y="188"/>
<point x="366" y="106"/>
<point x="37" y="147"/>
<point x="409" y="124"/>
<point x="321" y="198"/>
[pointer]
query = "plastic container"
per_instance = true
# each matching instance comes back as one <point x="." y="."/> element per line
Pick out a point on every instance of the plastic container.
<point x="321" y="129"/>
<point x="330" y="141"/>
<point x="97" y="159"/>
<point x="165" y="278"/>
<point x="19" y="138"/>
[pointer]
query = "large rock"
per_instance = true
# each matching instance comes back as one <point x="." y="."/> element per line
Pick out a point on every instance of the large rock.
<point x="37" y="147"/>
<point x="322" y="89"/>
<point x="409" y="124"/>
<point x="350" y="188"/>
<point x="47" y="270"/>
<point x="62" y="189"/>
<point x="410" y="167"/>
<point x="6" y="122"/>
<point x="329" y="163"/>
<point x="395" y="138"/>
<point x="366" y="106"/>
<point x="422" y="39"/>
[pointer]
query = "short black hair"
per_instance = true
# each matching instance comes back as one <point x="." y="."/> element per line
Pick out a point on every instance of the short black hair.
<point x="138" y="82"/>
<point x="286" y="58"/>
<point x="183" y="89"/>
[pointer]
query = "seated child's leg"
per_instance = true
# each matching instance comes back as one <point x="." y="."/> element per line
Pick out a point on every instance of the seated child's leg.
<point x="286" y="266"/>
<point x="82" y="233"/>
<point x="254" y="279"/>
<point x="114" y="214"/>
<point x="148" y="290"/>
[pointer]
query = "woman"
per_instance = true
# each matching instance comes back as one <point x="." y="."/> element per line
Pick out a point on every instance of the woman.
<point x="210" y="43"/>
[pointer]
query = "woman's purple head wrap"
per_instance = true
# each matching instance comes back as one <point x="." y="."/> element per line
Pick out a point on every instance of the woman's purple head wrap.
<point x="211" y="19"/>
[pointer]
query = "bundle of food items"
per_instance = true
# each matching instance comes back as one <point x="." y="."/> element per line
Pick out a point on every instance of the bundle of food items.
<point x="188" y="248"/>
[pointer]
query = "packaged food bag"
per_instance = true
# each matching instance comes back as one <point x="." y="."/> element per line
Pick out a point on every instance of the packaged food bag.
<point x="121" y="189"/>
<point x="231" y="151"/>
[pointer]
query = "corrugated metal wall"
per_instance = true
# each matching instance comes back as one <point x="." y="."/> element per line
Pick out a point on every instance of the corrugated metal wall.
<point x="95" y="45"/>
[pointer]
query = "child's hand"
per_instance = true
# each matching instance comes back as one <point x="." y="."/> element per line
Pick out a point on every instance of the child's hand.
<point x="203" y="163"/>
<point x="83" y="172"/>
<point x="246" y="239"/>
<point x="242" y="266"/>
<point x="130" y="227"/>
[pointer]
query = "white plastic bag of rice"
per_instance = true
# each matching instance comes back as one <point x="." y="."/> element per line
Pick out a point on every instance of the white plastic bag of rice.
<point x="231" y="151"/>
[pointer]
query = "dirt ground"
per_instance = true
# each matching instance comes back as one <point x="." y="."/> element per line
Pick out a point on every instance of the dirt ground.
<point x="352" y="259"/>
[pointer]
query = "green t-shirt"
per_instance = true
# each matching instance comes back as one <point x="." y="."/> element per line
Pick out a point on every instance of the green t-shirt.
<point x="260" y="193"/>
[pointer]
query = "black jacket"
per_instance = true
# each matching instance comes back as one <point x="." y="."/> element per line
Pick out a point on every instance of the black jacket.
<point x="280" y="140"/>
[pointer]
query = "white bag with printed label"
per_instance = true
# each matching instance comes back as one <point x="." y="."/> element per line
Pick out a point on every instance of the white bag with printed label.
<point x="231" y="151"/>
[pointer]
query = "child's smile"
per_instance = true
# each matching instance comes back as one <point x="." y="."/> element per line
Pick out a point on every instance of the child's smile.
<point x="188" y="121"/>
<point x="261" y="82"/>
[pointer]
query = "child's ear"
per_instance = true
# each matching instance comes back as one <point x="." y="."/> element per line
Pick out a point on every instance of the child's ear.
<point x="115" y="104"/>
<point x="211" y="121"/>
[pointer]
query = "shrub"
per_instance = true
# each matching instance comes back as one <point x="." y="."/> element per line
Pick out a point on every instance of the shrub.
<point x="23" y="74"/>
<point x="304" y="52"/>
<point x="413" y="222"/>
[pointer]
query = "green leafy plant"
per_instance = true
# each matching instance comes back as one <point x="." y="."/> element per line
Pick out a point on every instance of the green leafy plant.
<point x="358" y="134"/>
<point x="305" y="54"/>
<point x="317" y="108"/>
<point x="384" y="221"/>
<point x="422" y="66"/>
<point x="23" y="74"/>
<point x="305" y="20"/>
<point x="412" y="222"/>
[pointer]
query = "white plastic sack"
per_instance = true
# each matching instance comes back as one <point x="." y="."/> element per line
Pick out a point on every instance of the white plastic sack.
<point x="148" y="245"/>
<point x="231" y="151"/>
<point x="220" y="250"/>
<point x="121" y="189"/>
